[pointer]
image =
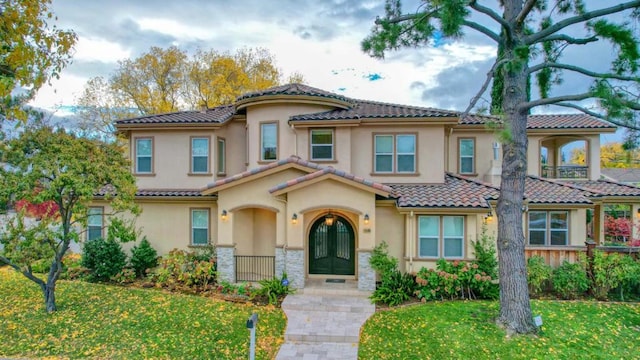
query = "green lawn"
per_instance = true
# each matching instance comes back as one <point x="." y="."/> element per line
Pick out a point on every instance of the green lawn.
<point x="465" y="330"/>
<point x="109" y="322"/>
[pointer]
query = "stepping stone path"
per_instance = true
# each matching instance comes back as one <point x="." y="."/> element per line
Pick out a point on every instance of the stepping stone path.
<point x="324" y="323"/>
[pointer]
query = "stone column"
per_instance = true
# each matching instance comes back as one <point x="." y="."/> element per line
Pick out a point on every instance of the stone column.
<point x="366" y="275"/>
<point x="226" y="263"/>
<point x="294" y="266"/>
<point x="280" y="260"/>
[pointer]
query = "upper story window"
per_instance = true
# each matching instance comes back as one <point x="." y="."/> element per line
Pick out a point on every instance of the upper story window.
<point x="395" y="153"/>
<point x="199" y="226"/>
<point x="548" y="227"/>
<point x="199" y="155"/>
<point x="441" y="236"/>
<point x="222" y="156"/>
<point x="144" y="155"/>
<point x="466" y="151"/>
<point x="322" y="144"/>
<point x="94" y="223"/>
<point x="268" y="141"/>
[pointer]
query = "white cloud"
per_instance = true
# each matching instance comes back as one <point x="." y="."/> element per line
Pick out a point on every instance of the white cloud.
<point x="96" y="49"/>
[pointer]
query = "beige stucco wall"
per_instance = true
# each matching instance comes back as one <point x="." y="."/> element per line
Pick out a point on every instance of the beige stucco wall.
<point x="341" y="151"/>
<point x="390" y="228"/>
<point x="254" y="231"/>
<point x="484" y="160"/>
<point x="429" y="157"/>
<point x="534" y="152"/>
<point x="279" y="113"/>
<point x="234" y="133"/>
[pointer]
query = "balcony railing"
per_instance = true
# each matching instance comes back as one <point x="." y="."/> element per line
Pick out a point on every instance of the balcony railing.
<point x="565" y="172"/>
<point x="255" y="268"/>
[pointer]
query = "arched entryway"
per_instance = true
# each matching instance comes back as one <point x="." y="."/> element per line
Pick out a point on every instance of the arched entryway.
<point x="332" y="247"/>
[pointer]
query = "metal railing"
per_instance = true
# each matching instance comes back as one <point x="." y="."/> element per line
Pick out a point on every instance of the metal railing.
<point x="565" y="172"/>
<point x="255" y="268"/>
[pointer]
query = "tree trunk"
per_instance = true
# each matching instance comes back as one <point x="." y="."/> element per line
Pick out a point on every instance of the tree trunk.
<point x="515" y="308"/>
<point x="50" y="297"/>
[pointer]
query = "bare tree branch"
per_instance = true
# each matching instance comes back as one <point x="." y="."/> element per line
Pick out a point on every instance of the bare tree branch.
<point x="552" y="100"/>
<point x="599" y="116"/>
<point x="537" y="37"/>
<point x="484" y="87"/>
<point x="484" y="30"/>
<point x="580" y="70"/>
<point x="526" y="9"/>
<point x="569" y="39"/>
<point x="492" y="14"/>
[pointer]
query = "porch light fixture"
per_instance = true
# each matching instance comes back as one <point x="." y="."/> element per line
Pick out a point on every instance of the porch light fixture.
<point x="329" y="219"/>
<point x="638" y="213"/>
<point x="366" y="219"/>
<point x="223" y="215"/>
<point x="294" y="219"/>
<point x="489" y="216"/>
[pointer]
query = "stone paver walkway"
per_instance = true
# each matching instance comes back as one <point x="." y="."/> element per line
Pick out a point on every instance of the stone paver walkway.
<point x="324" y="321"/>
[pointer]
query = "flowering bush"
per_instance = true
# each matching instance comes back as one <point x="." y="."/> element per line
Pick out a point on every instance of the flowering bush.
<point x="181" y="268"/>
<point x="454" y="280"/>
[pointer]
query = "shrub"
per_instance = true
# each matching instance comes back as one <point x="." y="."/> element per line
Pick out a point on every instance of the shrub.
<point x="274" y="289"/>
<point x="538" y="275"/>
<point x="455" y="280"/>
<point x="380" y="260"/>
<point x="103" y="259"/>
<point x="614" y="271"/>
<point x="570" y="280"/>
<point x="143" y="257"/>
<point x="484" y="250"/>
<point x="395" y="288"/>
<point x="630" y="279"/>
<point x="179" y="267"/>
<point x="126" y="276"/>
<point x="41" y="266"/>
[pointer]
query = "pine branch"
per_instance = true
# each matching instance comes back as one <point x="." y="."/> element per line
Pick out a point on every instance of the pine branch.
<point x="569" y="39"/>
<point x="597" y="115"/>
<point x="537" y="37"/>
<point x="580" y="70"/>
<point x="484" y="87"/>
<point x="552" y="100"/>
<point x="526" y="9"/>
<point x="484" y="30"/>
<point x="492" y="14"/>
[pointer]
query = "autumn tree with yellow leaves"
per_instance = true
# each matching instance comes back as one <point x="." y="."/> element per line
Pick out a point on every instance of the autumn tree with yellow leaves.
<point x="32" y="51"/>
<point x="167" y="80"/>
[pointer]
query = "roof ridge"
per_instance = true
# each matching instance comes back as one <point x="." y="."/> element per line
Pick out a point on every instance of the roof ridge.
<point x="377" y="102"/>
<point x="476" y="181"/>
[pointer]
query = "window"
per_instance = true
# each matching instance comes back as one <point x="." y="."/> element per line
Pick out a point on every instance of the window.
<point x="466" y="149"/>
<point x="144" y="156"/>
<point x="441" y="236"/>
<point x="269" y="142"/>
<point x="199" y="226"/>
<point x="322" y="144"/>
<point x="395" y="154"/>
<point x="222" y="156"/>
<point x="94" y="223"/>
<point x="548" y="227"/>
<point x="200" y="155"/>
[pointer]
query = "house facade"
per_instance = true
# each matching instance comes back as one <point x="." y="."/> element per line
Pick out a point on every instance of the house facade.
<point x="298" y="180"/>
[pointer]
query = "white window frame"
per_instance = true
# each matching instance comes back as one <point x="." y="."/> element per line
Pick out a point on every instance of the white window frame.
<point x="222" y="156"/>
<point x="548" y="229"/>
<point x="262" y="142"/>
<point x="95" y="212"/>
<point x="395" y="154"/>
<point x="193" y="227"/>
<point x="194" y="156"/>
<point x="472" y="156"/>
<point x="332" y="145"/>
<point x="138" y="156"/>
<point x="441" y="237"/>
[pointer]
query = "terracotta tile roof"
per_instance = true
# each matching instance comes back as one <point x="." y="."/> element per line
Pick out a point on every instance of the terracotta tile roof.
<point x="159" y="192"/>
<point x="603" y="188"/>
<point x="292" y="89"/>
<point x="242" y="175"/>
<point x="549" y="121"/>
<point x="373" y="109"/>
<point x="331" y="170"/>
<point x="218" y="114"/>
<point x="541" y="191"/>
<point x="455" y="192"/>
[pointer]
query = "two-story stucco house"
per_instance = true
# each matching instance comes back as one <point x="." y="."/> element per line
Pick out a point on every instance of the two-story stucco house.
<point x="308" y="182"/>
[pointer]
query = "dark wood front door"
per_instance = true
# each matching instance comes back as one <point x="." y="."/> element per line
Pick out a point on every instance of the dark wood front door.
<point x="332" y="248"/>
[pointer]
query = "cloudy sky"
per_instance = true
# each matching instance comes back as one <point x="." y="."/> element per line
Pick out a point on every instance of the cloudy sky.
<point x="318" y="38"/>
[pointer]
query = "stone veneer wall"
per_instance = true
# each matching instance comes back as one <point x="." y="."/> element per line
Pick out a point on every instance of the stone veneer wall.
<point x="366" y="275"/>
<point x="226" y="263"/>
<point x="280" y="260"/>
<point x="294" y="266"/>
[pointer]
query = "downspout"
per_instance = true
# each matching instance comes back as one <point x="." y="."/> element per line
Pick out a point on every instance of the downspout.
<point x="411" y="241"/>
<point x="295" y="139"/>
